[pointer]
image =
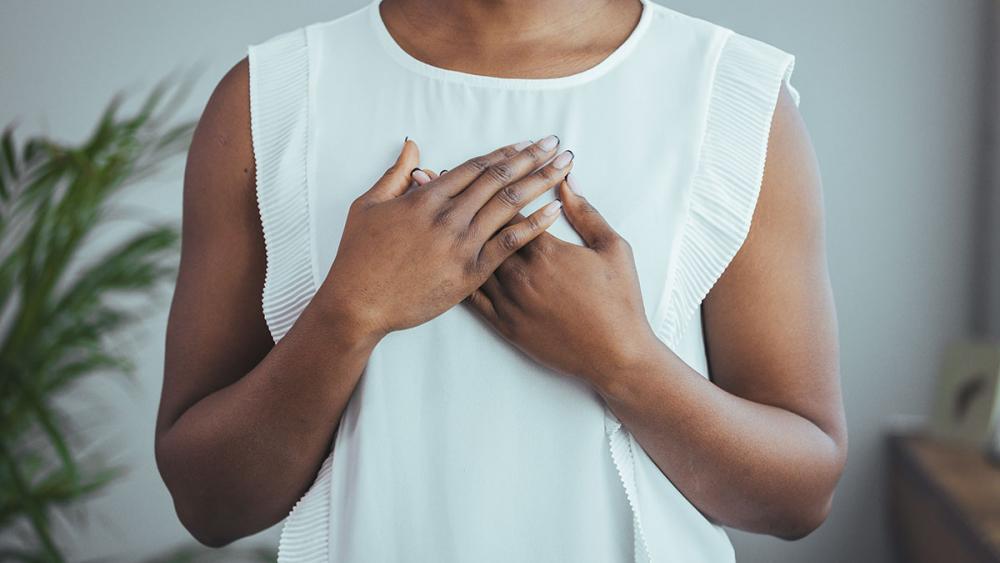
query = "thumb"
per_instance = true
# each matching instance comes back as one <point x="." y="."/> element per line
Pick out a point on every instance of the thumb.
<point x="396" y="179"/>
<point x="586" y="220"/>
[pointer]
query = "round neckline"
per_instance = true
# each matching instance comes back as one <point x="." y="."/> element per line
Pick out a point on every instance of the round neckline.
<point x="414" y="64"/>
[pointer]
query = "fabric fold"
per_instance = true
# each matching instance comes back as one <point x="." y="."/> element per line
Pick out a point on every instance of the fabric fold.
<point x="727" y="183"/>
<point x="279" y="107"/>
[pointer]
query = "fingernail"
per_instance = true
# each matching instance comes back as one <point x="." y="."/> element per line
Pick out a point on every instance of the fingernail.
<point x="443" y="171"/>
<point x="562" y="161"/>
<point x="420" y="176"/>
<point x="406" y="138"/>
<point x="548" y="143"/>
<point x="522" y="145"/>
<point x="552" y="208"/>
<point x="571" y="182"/>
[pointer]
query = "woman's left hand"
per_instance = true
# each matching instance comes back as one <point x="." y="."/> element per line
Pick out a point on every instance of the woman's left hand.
<point x="576" y="309"/>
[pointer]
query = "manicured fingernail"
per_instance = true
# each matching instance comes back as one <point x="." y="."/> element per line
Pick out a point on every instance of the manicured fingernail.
<point x="443" y="171"/>
<point x="571" y="182"/>
<point x="420" y="176"/>
<point x="406" y="138"/>
<point x="522" y="145"/>
<point x="548" y="143"/>
<point x="552" y="208"/>
<point x="562" y="161"/>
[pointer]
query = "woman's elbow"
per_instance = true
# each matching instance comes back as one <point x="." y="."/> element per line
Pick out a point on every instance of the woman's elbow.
<point x="807" y="512"/>
<point x="196" y="511"/>
<point x="204" y="529"/>
<point x="804" y="520"/>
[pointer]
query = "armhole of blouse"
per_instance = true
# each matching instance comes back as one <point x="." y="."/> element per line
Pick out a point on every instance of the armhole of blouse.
<point x="279" y="120"/>
<point x="748" y="79"/>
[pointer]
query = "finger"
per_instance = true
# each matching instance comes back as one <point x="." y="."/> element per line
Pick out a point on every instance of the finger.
<point x="460" y="177"/>
<point x="432" y="174"/>
<point x="542" y="243"/>
<point x="421" y="176"/>
<point x="511" y="198"/>
<point x="505" y="172"/>
<point x="481" y="303"/>
<point x="492" y="288"/>
<point x="517" y="218"/>
<point x="514" y="271"/>
<point x="512" y="238"/>
<point x="396" y="179"/>
<point x="584" y="217"/>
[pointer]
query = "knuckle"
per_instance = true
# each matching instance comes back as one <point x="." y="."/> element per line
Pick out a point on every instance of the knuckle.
<point x="419" y="197"/>
<point x="548" y="173"/>
<point x="509" y="239"/>
<point x="518" y="276"/>
<point x="535" y="152"/>
<point x="466" y="235"/>
<point x="509" y="152"/>
<point x="501" y="172"/>
<point x="444" y="216"/>
<point x="474" y="268"/>
<point x="510" y="196"/>
<point x="479" y="164"/>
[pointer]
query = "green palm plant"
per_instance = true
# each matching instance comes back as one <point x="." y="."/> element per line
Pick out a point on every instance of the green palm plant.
<point x="60" y="311"/>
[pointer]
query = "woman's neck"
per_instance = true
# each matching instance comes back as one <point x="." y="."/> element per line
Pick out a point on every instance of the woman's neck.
<point x="511" y="38"/>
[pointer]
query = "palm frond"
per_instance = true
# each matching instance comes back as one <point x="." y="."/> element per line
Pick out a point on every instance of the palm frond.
<point x="59" y="313"/>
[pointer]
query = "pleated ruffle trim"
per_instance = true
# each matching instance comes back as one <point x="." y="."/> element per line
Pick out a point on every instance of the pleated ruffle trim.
<point x="279" y="121"/>
<point x="723" y="196"/>
<point x="730" y="170"/>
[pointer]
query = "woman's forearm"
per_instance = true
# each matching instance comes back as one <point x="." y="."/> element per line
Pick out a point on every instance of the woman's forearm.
<point x="236" y="446"/>
<point x="237" y="460"/>
<point x="743" y="464"/>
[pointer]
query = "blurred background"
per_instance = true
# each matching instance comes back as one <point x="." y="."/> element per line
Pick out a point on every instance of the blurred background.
<point x="901" y="102"/>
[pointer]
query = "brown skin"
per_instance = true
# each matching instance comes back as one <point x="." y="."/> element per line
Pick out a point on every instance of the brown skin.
<point x="511" y="38"/>
<point x="244" y="423"/>
<point x="761" y="446"/>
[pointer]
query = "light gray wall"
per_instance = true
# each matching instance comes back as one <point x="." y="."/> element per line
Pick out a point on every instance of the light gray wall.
<point x="987" y="318"/>
<point x="889" y="92"/>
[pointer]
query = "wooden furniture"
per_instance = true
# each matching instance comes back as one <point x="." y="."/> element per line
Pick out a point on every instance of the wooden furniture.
<point x="944" y="501"/>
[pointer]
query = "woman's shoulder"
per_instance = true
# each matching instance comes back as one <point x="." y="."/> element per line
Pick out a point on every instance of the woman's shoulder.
<point x="340" y="25"/>
<point x="674" y="25"/>
<point x="665" y="15"/>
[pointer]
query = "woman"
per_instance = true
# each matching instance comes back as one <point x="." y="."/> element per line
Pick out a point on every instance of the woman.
<point x="602" y="334"/>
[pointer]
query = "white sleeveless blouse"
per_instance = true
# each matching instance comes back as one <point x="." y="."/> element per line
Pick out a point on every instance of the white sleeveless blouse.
<point x="455" y="446"/>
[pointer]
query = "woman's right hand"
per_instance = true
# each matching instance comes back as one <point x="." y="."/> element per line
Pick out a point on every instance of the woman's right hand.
<point x="409" y="254"/>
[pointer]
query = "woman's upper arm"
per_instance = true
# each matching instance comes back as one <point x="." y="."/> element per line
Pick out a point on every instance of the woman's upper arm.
<point x="770" y="323"/>
<point x="216" y="331"/>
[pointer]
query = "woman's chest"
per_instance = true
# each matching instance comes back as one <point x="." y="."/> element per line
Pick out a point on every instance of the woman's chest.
<point x="634" y="154"/>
